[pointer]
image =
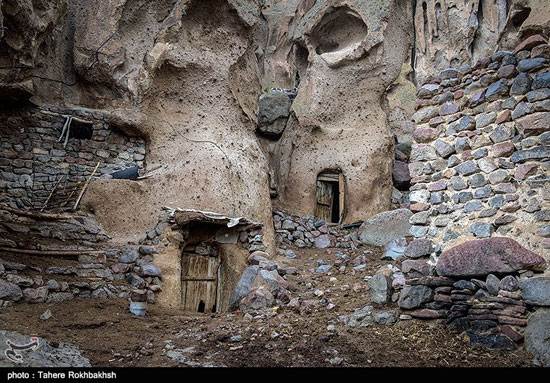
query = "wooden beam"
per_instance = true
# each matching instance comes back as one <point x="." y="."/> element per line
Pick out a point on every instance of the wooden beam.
<point x="50" y="252"/>
<point x="199" y="279"/>
<point x="85" y="186"/>
<point x="36" y="214"/>
<point x="51" y="193"/>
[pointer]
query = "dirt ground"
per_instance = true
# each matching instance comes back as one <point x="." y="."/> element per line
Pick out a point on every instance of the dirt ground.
<point x="109" y="335"/>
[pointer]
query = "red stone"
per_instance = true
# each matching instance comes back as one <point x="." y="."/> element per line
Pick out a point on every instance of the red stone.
<point x="502" y="319"/>
<point x="419" y="206"/>
<point x="428" y="314"/>
<point x="436" y="121"/>
<point x="425" y="135"/>
<point x="524" y="170"/>
<point x="483" y="62"/>
<point x="503" y="116"/>
<point x="466" y="155"/>
<point x="442" y="298"/>
<point x="512" y="333"/>
<point x="530" y="42"/>
<point x="481" y="257"/>
<point x="503" y="149"/>
<point x="400" y="156"/>
<point x="458" y="94"/>
<point x="534" y="124"/>
<point x="420" y="179"/>
<point x="430" y="80"/>
<point x="542" y="50"/>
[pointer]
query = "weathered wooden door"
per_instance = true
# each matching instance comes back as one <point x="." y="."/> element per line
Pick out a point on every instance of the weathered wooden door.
<point x="199" y="282"/>
<point x="325" y="199"/>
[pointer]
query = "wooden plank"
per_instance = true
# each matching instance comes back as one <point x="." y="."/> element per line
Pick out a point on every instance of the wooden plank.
<point x="324" y="199"/>
<point x="37" y="215"/>
<point x="50" y="252"/>
<point x="51" y="193"/>
<point x="328" y="177"/>
<point x="198" y="279"/>
<point x="199" y="282"/>
<point x="342" y="191"/>
<point x="85" y="186"/>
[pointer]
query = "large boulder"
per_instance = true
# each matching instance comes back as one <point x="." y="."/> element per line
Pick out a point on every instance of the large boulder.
<point x="274" y="110"/>
<point x="243" y="286"/>
<point x="481" y="257"/>
<point x="536" y="291"/>
<point x="537" y="336"/>
<point x="257" y="298"/>
<point x="271" y="280"/>
<point x="385" y="227"/>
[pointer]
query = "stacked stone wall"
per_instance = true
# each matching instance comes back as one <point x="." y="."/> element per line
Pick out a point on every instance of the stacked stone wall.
<point x="480" y="163"/>
<point x="33" y="157"/>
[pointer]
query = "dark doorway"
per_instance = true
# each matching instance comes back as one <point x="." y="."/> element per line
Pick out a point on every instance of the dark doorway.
<point x="330" y="197"/>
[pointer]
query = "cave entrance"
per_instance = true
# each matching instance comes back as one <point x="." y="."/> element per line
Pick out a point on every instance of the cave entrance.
<point x="200" y="278"/>
<point x="330" y="197"/>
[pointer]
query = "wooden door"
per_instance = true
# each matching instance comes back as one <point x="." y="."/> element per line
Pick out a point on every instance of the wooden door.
<point x="199" y="282"/>
<point x="325" y="199"/>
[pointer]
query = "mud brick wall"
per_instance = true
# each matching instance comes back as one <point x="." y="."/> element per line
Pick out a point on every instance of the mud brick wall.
<point x="480" y="163"/>
<point x="31" y="159"/>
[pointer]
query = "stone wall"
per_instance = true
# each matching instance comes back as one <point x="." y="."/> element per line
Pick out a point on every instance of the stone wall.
<point x="480" y="163"/>
<point x="32" y="160"/>
<point x="311" y="232"/>
<point x="95" y="269"/>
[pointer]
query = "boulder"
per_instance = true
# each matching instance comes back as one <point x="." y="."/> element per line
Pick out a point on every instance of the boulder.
<point x="257" y="298"/>
<point x="491" y="341"/>
<point x="36" y="295"/>
<point x="10" y="291"/>
<point x="243" y="286"/>
<point x="128" y="255"/>
<point x="386" y="226"/>
<point x="481" y="257"/>
<point x="380" y="288"/>
<point x="270" y="280"/>
<point x="536" y="291"/>
<point x="537" y="336"/>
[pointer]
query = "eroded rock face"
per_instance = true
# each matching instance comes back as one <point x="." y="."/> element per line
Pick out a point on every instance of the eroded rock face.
<point x="346" y="63"/>
<point x="481" y="257"/>
<point x="457" y="33"/>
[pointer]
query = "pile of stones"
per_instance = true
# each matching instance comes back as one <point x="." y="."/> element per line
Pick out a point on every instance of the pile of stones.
<point x="115" y="273"/>
<point x="262" y="284"/>
<point x="481" y="157"/>
<point x="304" y="232"/>
<point x="486" y="288"/>
<point x="21" y="231"/>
